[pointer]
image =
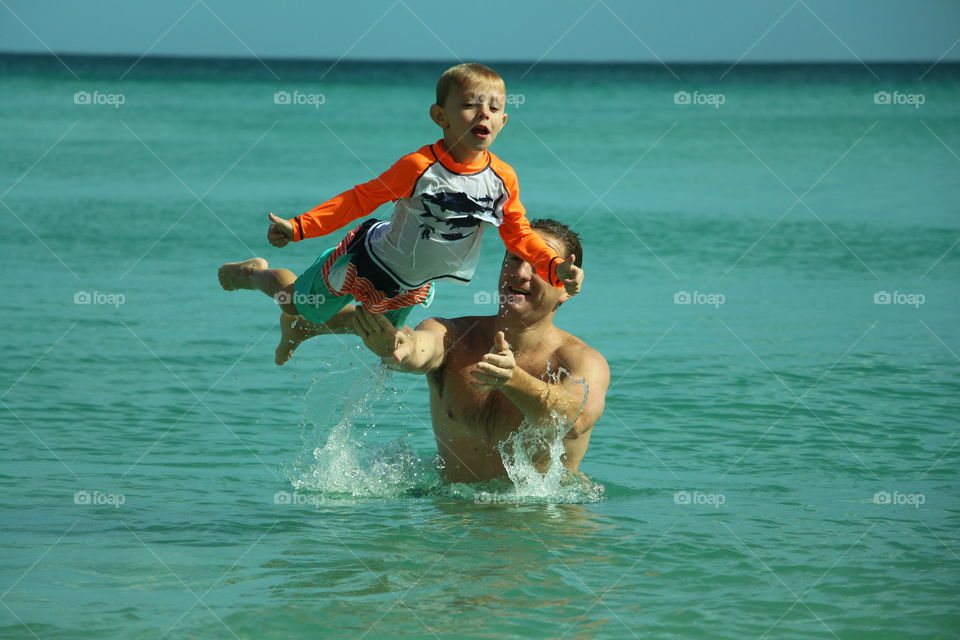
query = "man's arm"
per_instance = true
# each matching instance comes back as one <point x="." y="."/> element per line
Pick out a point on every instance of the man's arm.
<point x="407" y="350"/>
<point x="540" y="401"/>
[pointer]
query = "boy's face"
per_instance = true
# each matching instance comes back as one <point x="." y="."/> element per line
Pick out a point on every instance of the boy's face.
<point x="471" y="117"/>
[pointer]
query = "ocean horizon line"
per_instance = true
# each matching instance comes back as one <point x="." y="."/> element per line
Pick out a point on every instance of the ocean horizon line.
<point x="420" y="62"/>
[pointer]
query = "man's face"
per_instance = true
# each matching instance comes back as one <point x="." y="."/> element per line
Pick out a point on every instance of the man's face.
<point x="523" y="292"/>
<point x="474" y="115"/>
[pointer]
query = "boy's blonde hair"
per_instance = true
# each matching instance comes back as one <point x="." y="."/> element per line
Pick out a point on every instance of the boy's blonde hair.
<point x="464" y="75"/>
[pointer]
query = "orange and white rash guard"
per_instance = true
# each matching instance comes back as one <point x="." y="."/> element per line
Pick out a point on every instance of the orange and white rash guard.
<point x="442" y="208"/>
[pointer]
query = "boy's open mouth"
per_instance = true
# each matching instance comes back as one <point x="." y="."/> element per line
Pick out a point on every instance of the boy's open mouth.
<point x="481" y="131"/>
<point x="516" y="291"/>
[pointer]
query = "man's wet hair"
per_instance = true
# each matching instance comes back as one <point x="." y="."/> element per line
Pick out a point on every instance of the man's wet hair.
<point x="569" y="237"/>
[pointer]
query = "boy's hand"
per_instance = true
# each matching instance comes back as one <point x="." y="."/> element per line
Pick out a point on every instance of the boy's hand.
<point x="280" y="231"/>
<point x="570" y="275"/>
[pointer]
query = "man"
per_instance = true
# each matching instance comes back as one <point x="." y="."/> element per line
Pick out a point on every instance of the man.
<point x="487" y="373"/>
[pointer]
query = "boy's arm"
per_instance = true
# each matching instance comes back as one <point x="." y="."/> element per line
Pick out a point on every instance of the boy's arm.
<point x="407" y="350"/>
<point x="521" y="240"/>
<point x="394" y="183"/>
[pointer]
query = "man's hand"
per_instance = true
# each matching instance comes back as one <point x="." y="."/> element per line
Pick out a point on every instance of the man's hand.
<point x="280" y="231"/>
<point x="496" y="368"/>
<point x="394" y="346"/>
<point x="570" y="275"/>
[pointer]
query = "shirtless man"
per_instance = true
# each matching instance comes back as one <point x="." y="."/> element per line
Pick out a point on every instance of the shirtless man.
<point x="487" y="373"/>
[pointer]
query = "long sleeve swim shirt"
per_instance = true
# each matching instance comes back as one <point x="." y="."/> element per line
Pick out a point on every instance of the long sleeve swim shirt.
<point x="442" y="208"/>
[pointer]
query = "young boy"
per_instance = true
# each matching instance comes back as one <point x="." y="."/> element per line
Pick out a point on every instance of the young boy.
<point x="446" y="193"/>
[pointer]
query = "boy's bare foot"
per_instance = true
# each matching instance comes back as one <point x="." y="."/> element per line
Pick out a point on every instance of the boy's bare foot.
<point x="236" y="275"/>
<point x="293" y="331"/>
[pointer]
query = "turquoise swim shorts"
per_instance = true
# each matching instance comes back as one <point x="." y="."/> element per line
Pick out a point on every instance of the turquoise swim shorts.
<point x="317" y="305"/>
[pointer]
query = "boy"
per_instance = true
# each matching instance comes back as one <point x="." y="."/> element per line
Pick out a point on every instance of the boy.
<point x="445" y="194"/>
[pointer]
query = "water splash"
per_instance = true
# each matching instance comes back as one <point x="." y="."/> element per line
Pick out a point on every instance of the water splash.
<point x="348" y="466"/>
<point x="536" y="446"/>
<point x="351" y="464"/>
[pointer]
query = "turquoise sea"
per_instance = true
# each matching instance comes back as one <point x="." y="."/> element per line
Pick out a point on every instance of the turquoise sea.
<point x="772" y="267"/>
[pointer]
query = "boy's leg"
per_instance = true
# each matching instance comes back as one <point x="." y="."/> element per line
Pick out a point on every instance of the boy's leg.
<point x="294" y="329"/>
<point x="255" y="274"/>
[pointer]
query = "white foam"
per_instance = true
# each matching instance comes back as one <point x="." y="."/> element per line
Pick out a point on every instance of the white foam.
<point x="351" y="463"/>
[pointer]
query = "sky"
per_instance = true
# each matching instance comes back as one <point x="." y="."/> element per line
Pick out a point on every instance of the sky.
<point x="493" y="30"/>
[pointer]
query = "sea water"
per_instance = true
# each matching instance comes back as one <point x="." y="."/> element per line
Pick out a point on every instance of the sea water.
<point x="771" y="267"/>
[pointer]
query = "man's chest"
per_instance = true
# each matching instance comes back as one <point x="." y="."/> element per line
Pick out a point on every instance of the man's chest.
<point x="488" y="412"/>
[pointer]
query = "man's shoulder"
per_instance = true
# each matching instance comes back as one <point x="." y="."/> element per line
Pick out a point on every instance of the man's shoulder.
<point x="464" y="333"/>
<point x="460" y="338"/>
<point x="461" y="326"/>
<point x="578" y="353"/>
